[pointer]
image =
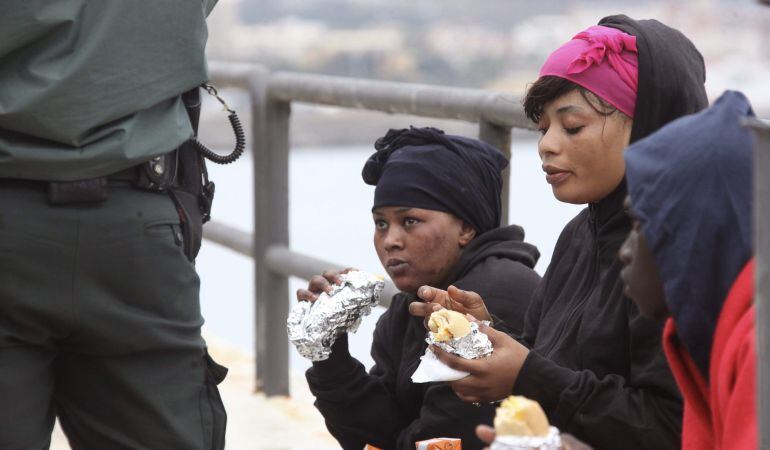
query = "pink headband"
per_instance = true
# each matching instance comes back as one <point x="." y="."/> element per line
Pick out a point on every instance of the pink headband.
<point x="602" y="60"/>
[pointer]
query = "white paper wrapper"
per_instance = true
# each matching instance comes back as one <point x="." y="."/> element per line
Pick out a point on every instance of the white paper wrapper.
<point x="313" y="327"/>
<point x="432" y="369"/>
<point x="550" y="442"/>
<point x="475" y="345"/>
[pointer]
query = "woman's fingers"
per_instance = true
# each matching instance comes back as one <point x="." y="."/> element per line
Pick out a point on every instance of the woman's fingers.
<point x="319" y="284"/>
<point x="432" y="295"/>
<point x="305" y="295"/>
<point x="571" y="443"/>
<point x="468" y="398"/>
<point x="441" y="297"/>
<point x="485" y="433"/>
<point x="468" y="299"/>
<point x="467" y="302"/>
<point x="332" y="276"/>
<point x="454" y="361"/>
<point x="422" y="309"/>
<point x="496" y="337"/>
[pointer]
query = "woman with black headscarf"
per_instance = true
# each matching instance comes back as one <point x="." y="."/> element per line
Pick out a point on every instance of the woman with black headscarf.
<point x="437" y="209"/>
<point x="586" y="354"/>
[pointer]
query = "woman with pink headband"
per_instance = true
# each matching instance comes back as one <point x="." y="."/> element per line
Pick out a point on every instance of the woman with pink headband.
<point x="586" y="354"/>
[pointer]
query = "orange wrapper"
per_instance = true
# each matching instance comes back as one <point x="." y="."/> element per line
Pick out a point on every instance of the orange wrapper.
<point x="440" y="444"/>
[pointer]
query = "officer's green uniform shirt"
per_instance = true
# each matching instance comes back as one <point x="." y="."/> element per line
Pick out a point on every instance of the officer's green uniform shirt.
<point x="91" y="87"/>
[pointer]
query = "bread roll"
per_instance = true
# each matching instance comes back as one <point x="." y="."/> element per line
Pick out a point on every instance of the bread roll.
<point x="520" y="416"/>
<point x="446" y="325"/>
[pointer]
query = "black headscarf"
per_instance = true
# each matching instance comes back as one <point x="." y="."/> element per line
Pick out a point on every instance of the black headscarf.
<point x="691" y="189"/>
<point x="425" y="168"/>
<point x="671" y="74"/>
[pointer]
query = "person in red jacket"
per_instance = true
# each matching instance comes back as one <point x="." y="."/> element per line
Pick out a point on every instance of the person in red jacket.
<point x="689" y="259"/>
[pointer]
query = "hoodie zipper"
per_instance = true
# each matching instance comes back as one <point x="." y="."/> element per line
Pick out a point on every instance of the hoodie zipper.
<point x="579" y="306"/>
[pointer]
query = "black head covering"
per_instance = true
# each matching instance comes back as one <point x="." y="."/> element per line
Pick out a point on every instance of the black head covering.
<point x="425" y="168"/>
<point x="671" y="74"/>
<point x="691" y="189"/>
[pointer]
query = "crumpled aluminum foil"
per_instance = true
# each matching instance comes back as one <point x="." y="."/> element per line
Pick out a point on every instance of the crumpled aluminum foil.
<point x="550" y="442"/>
<point x="314" y="326"/>
<point x="471" y="346"/>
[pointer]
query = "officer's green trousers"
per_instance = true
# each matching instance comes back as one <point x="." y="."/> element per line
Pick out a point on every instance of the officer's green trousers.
<point x="100" y="325"/>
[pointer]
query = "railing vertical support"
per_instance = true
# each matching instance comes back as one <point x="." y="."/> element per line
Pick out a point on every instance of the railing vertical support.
<point x="762" y="276"/>
<point x="500" y="138"/>
<point x="271" y="227"/>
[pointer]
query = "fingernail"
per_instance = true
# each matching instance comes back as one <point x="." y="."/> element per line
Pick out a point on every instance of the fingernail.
<point x="422" y="291"/>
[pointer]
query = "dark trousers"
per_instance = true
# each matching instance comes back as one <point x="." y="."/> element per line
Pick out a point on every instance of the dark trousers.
<point x="100" y="325"/>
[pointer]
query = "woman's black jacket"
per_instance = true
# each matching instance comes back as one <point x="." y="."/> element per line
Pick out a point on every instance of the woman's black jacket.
<point x="383" y="407"/>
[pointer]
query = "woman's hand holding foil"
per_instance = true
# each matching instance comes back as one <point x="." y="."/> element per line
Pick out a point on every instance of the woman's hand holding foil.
<point x="325" y="310"/>
<point x="491" y="378"/>
<point x="321" y="283"/>
<point x="465" y="302"/>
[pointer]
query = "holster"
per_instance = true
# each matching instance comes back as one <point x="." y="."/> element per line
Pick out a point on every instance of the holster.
<point x="180" y="173"/>
<point x="192" y="192"/>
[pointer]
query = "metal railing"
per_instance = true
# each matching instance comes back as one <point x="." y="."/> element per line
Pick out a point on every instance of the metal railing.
<point x="271" y="95"/>
<point x="762" y="275"/>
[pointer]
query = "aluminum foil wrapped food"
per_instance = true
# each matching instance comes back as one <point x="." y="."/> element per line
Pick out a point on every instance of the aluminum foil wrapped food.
<point x="314" y="326"/>
<point x="552" y="441"/>
<point x="521" y="424"/>
<point x="453" y="333"/>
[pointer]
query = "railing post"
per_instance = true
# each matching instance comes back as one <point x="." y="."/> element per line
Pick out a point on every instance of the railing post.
<point x="762" y="276"/>
<point x="270" y="154"/>
<point x="500" y="138"/>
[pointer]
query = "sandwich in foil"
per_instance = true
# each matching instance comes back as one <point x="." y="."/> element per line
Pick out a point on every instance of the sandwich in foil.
<point x="314" y="326"/>
<point x="521" y="424"/>
<point x="452" y="332"/>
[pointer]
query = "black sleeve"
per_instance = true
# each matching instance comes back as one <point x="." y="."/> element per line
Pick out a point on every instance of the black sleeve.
<point x="359" y="407"/>
<point x="531" y="321"/>
<point x="641" y="412"/>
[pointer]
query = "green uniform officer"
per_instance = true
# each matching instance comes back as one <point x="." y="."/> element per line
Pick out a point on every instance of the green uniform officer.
<point x="99" y="310"/>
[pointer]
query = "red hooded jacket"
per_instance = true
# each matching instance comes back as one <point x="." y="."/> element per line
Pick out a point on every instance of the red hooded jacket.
<point x="721" y="413"/>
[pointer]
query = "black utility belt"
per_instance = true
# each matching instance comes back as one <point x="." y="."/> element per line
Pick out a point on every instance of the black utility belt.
<point x="156" y="175"/>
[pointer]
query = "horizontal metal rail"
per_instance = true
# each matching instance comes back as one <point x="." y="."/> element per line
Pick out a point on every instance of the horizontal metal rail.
<point x="290" y="263"/>
<point x="472" y="105"/>
<point x="281" y="259"/>
<point x="230" y="237"/>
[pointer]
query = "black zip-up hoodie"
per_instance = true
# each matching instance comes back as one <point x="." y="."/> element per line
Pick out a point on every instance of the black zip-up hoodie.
<point x="596" y="366"/>
<point x="384" y="408"/>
